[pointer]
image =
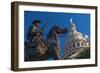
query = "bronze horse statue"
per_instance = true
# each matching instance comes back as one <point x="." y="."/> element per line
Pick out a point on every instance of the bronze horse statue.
<point x="45" y="48"/>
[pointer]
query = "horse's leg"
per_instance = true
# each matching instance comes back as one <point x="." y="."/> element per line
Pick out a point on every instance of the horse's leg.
<point x="57" y="54"/>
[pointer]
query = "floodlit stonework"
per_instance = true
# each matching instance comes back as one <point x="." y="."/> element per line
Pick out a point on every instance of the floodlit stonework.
<point x="74" y="41"/>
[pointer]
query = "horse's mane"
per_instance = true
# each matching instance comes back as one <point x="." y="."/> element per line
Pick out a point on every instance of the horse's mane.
<point x="52" y="30"/>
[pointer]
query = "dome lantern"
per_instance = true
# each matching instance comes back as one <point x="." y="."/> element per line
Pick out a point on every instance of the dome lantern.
<point x="72" y="26"/>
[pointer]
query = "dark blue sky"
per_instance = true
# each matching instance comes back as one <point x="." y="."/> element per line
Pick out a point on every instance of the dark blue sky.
<point x="82" y="22"/>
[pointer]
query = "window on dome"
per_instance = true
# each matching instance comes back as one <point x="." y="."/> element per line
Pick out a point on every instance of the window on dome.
<point x="82" y="44"/>
<point x="78" y="44"/>
<point x="73" y="45"/>
<point x="69" y="46"/>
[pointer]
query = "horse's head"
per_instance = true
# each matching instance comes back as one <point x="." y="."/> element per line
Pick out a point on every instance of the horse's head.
<point x="60" y="30"/>
<point x="56" y="30"/>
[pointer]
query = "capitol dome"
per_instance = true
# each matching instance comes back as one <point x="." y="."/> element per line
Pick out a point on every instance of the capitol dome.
<point x="73" y="33"/>
<point x="75" y="39"/>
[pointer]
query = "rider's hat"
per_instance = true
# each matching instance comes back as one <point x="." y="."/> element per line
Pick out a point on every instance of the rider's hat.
<point x="36" y="21"/>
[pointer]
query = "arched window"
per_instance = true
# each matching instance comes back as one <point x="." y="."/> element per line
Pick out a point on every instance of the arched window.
<point x="66" y="48"/>
<point x="82" y="43"/>
<point x="73" y="45"/>
<point x="69" y="47"/>
<point x="78" y="44"/>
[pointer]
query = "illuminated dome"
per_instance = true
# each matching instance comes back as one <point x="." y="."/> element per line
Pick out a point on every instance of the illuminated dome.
<point x="75" y="40"/>
<point x="73" y="33"/>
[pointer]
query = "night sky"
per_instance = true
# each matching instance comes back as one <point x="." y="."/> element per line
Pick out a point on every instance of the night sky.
<point x="81" y="20"/>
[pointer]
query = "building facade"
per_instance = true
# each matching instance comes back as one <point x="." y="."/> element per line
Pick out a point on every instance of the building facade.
<point x="74" y="41"/>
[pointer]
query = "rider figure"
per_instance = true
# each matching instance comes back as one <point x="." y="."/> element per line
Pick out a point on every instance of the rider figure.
<point x="35" y="37"/>
<point x="34" y="31"/>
